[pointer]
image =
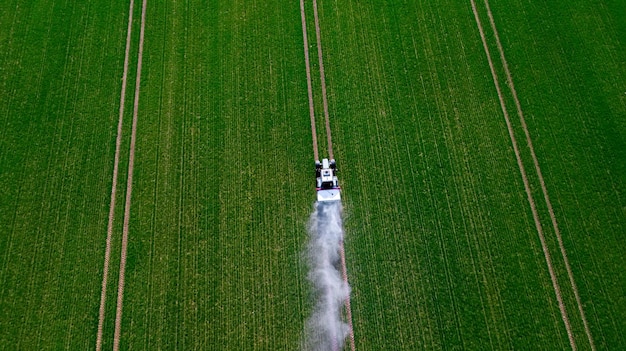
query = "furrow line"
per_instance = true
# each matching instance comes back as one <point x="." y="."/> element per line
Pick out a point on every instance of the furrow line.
<point x="344" y="273"/>
<point x="541" y="179"/>
<point x="118" y="144"/>
<point x="531" y="201"/>
<point x="318" y="37"/>
<point x="308" y="80"/>
<point x="129" y="186"/>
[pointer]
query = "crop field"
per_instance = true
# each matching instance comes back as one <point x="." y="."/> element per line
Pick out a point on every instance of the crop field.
<point x="460" y="233"/>
<point x="60" y="66"/>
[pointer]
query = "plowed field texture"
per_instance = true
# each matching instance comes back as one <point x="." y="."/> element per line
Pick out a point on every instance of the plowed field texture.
<point x="481" y="149"/>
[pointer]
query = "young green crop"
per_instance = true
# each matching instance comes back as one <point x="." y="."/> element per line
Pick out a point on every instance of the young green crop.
<point x="441" y="246"/>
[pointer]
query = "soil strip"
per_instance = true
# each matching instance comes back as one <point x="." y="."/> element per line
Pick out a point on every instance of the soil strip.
<point x="129" y="187"/>
<point x="541" y="180"/>
<point x="318" y="36"/>
<point x="344" y="273"/>
<point x="308" y="81"/>
<point x="118" y="143"/>
<point x="531" y="201"/>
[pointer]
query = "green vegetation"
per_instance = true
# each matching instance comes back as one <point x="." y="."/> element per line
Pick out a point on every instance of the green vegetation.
<point x="224" y="184"/>
<point x="446" y="255"/>
<point x="441" y="246"/>
<point x="576" y="107"/>
<point x="61" y="65"/>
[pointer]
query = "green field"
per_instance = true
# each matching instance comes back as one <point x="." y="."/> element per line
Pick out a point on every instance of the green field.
<point x="442" y="250"/>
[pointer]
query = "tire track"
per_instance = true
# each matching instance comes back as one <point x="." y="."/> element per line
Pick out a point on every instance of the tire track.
<point x="544" y="190"/>
<point x="308" y="81"/>
<point x="118" y="143"/>
<point x="129" y="186"/>
<point x="318" y="38"/>
<point x="344" y="273"/>
<point x="531" y="201"/>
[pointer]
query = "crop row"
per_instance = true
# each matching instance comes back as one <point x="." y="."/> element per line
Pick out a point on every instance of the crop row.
<point x="441" y="230"/>
<point x="61" y="66"/>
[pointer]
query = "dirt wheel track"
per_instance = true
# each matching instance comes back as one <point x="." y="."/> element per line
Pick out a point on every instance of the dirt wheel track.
<point x="118" y="143"/>
<point x="129" y="187"/>
<point x="308" y="81"/>
<point x="318" y="37"/>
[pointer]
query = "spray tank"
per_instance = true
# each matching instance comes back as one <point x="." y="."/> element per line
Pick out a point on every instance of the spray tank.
<point x="327" y="184"/>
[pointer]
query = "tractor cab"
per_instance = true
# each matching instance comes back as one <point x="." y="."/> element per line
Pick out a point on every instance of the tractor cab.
<point x="327" y="184"/>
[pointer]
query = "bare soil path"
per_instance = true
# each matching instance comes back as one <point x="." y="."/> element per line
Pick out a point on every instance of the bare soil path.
<point x="308" y="81"/>
<point x="344" y="273"/>
<point x="118" y="143"/>
<point x="318" y="37"/>
<point x="129" y="187"/>
<point x="531" y="201"/>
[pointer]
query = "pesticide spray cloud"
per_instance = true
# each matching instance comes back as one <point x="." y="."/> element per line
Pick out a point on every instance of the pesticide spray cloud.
<point x="325" y="330"/>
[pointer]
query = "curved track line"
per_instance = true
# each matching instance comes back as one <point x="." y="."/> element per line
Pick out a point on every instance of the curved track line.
<point x="308" y="81"/>
<point x="129" y="187"/>
<point x="318" y="36"/>
<point x="557" y="232"/>
<point x="531" y="201"/>
<point x="118" y="143"/>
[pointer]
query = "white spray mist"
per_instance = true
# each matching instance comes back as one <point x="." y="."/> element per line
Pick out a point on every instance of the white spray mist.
<point x="325" y="329"/>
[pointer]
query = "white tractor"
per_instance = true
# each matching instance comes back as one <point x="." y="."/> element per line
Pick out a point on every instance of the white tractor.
<point x="326" y="181"/>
